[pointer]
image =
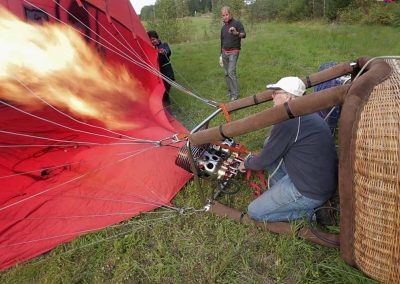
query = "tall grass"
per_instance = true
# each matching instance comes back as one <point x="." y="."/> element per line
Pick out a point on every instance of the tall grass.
<point x="196" y="247"/>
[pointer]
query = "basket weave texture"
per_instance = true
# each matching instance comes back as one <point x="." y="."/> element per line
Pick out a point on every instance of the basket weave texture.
<point x="377" y="182"/>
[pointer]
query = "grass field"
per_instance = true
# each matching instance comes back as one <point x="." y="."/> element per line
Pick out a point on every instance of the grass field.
<point x="196" y="247"/>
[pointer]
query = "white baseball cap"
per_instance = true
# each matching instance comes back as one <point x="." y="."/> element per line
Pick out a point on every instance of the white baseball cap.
<point x="292" y="85"/>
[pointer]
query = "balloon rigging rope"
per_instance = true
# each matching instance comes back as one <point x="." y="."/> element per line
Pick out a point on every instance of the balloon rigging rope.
<point x="122" y="225"/>
<point x="72" y="180"/>
<point x="113" y="214"/>
<point x="56" y="145"/>
<point x="372" y="59"/>
<point x="117" y="235"/>
<point x="67" y="127"/>
<point x="63" y="165"/>
<point x="139" y="225"/>
<point x="71" y="143"/>
<point x="143" y="51"/>
<point x="127" y="58"/>
<point x="133" y="140"/>
<point x="132" y="50"/>
<point x="170" y="208"/>
<point x="65" y="141"/>
<point x="156" y="201"/>
<point x="76" y="233"/>
<point x="72" y="118"/>
<point x="139" y="140"/>
<point x="146" y="201"/>
<point x="119" y="52"/>
<point x="162" y="204"/>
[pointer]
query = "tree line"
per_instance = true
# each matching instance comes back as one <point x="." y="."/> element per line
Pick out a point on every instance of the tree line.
<point x="171" y="13"/>
<point x="187" y="7"/>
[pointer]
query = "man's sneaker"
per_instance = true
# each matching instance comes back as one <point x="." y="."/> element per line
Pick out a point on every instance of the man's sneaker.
<point x="234" y="98"/>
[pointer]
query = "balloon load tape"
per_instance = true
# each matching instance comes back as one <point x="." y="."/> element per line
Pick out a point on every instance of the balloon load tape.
<point x="219" y="162"/>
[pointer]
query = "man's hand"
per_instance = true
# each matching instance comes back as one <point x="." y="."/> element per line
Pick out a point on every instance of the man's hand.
<point x="160" y="50"/>
<point x="241" y="167"/>
<point x="233" y="31"/>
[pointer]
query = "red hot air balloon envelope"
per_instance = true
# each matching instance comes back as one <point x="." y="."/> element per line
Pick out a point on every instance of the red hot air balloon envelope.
<point x="62" y="172"/>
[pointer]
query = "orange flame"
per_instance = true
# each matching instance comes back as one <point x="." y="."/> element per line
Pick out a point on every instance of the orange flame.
<point x="55" y="63"/>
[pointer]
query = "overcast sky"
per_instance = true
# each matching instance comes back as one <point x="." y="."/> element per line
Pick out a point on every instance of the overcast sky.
<point x="138" y="4"/>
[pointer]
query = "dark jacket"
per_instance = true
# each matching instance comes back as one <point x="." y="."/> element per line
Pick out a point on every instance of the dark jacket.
<point x="164" y="61"/>
<point x="228" y="40"/>
<point x="310" y="160"/>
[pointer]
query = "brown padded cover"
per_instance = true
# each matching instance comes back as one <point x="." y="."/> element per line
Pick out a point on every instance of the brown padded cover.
<point x="300" y="106"/>
<point x="275" y="227"/>
<point x="310" y="81"/>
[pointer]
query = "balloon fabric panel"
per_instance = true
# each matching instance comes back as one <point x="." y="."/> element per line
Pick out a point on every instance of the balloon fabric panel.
<point x="61" y="178"/>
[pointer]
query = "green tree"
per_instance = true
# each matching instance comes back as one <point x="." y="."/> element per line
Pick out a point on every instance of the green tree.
<point x="182" y="8"/>
<point x="147" y="13"/>
<point x="332" y="8"/>
<point x="168" y="20"/>
<point x="294" y="10"/>
<point x="237" y="8"/>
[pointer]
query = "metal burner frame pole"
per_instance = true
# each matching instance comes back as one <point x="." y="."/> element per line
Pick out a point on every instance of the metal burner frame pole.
<point x="204" y="123"/>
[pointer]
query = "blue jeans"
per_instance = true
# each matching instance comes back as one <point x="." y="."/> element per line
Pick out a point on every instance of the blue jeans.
<point x="282" y="201"/>
<point x="229" y="59"/>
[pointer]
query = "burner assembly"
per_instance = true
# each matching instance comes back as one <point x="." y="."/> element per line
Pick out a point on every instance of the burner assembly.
<point x="218" y="162"/>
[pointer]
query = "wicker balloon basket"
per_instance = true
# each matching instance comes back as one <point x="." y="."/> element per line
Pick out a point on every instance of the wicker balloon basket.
<point x="373" y="239"/>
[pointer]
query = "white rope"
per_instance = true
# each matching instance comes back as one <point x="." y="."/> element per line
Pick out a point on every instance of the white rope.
<point x="146" y="201"/>
<point x="68" y="116"/>
<point x="46" y="145"/>
<point x="143" y="51"/>
<point x="63" y="165"/>
<point x="68" y="141"/>
<point x="70" y="234"/>
<point x="101" y="228"/>
<point x="113" y="214"/>
<point x="132" y="50"/>
<point x="111" y="237"/>
<point x="67" y="127"/>
<point x="372" y="59"/>
<point x="72" y="145"/>
<point x="122" y="54"/>
<point x="72" y="118"/>
<point x="157" y="202"/>
<point x="170" y="208"/>
<point x="69" y="181"/>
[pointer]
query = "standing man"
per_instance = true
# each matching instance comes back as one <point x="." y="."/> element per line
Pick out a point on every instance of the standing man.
<point x="301" y="159"/>
<point x="231" y="34"/>
<point x="164" y="52"/>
